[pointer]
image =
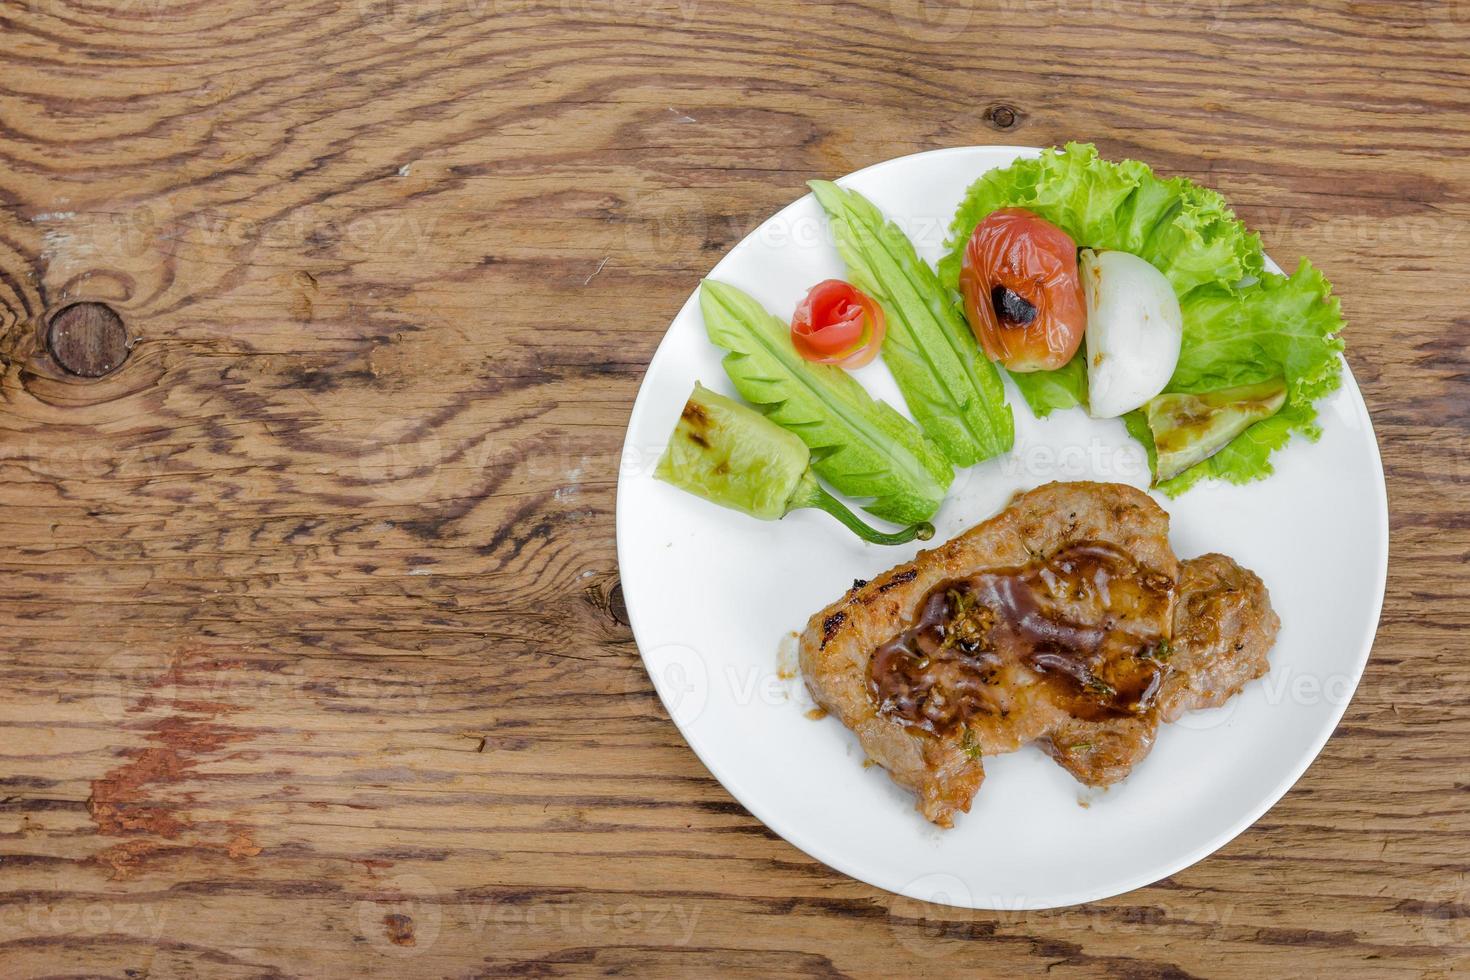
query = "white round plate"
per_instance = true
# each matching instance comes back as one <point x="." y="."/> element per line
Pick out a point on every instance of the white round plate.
<point x="715" y="597"/>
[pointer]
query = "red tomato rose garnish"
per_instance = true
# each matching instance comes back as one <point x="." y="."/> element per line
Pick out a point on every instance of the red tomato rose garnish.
<point x="837" y="324"/>
<point x="1022" y="294"/>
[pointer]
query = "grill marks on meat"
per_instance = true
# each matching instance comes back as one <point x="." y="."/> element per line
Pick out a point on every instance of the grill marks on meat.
<point x="1065" y="621"/>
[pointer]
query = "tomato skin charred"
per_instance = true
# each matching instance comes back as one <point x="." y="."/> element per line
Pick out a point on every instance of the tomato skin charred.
<point x="1023" y="296"/>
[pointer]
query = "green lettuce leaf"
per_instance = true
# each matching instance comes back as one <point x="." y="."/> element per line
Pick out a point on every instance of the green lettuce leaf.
<point x="1241" y="324"/>
<point x="1280" y="327"/>
<point x="1276" y="327"/>
<point x="1047" y="391"/>
<point x="1188" y="232"/>
<point x="951" y="388"/>
<point x="863" y="447"/>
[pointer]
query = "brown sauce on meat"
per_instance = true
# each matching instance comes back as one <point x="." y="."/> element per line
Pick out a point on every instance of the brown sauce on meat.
<point x="1088" y="621"/>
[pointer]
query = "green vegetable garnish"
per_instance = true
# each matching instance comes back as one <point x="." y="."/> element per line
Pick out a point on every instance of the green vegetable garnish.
<point x="1136" y="422"/>
<point x="1047" y="391"/>
<point x="1188" y="429"/>
<point x="968" y="743"/>
<point x="1241" y="325"/>
<point x="1160" y="651"/>
<point x="953" y="390"/>
<point x="863" y="448"/>
<point x="1277" y="328"/>
<point x="736" y="457"/>
<point x="1187" y="232"/>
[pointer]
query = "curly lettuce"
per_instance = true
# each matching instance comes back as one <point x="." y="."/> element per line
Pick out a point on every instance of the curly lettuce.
<point x="1241" y="324"/>
<point x="1279" y="327"/>
<point x="1048" y="391"/>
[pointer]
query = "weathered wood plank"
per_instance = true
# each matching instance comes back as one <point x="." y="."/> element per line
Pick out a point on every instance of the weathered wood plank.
<point x="315" y="662"/>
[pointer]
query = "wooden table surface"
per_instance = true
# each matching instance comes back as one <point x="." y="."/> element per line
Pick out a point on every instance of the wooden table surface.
<point x="316" y="661"/>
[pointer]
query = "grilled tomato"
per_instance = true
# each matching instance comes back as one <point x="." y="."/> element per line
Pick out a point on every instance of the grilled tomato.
<point x="1022" y="294"/>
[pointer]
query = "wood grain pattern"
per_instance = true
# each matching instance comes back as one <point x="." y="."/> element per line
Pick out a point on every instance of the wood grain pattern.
<point x="315" y="659"/>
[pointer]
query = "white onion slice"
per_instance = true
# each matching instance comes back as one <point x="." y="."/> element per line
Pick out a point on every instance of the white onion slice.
<point x="1134" y="329"/>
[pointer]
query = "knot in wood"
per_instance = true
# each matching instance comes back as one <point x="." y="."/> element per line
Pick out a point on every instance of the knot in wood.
<point x="1003" y="116"/>
<point x="87" y="340"/>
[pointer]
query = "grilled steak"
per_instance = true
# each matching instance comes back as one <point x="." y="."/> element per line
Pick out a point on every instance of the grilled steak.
<point x="1064" y="620"/>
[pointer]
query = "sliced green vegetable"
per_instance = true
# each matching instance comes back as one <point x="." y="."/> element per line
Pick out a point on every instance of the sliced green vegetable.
<point x="1188" y="429"/>
<point x="736" y="457"/>
<point x="1241" y="325"/>
<point x="951" y="388"/>
<point x="733" y="455"/>
<point x="863" y="448"/>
